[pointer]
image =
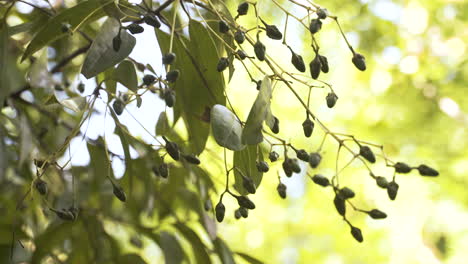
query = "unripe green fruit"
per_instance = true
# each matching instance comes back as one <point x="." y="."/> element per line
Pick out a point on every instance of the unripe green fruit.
<point x="273" y="32"/>
<point x="168" y="58"/>
<point x="81" y="87"/>
<point x="302" y="155"/>
<point x="320" y="180"/>
<point x="223" y="27"/>
<point x="190" y="158"/>
<point x="315" y="25"/>
<point x="41" y="186"/>
<point x="392" y="190"/>
<point x="119" y="193"/>
<point x="242" y="8"/>
<point x="314" y="159"/>
<point x="134" y="28"/>
<point x="243" y="201"/>
<point x="169" y="97"/>
<point x="118" y="106"/>
<point x="340" y="205"/>
<point x="149" y="79"/>
<point x="241" y="54"/>
<point x="220" y="211"/>
<point x="367" y="153"/>
<point x="237" y="214"/>
<point x="331" y="99"/>
<point x="425" y="170"/>
<point x="172" y="149"/>
<point x="401" y="167"/>
<point x="172" y="76"/>
<point x="381" y="182"/>
<point x="273" y="156"/>
<point x="239" y="36"/>
<point x="324" y="64"/>
<point x="298" y="62"/>
<point x="152" y="21"/>
<point x="287" y="167"/>
<point x="346" y="193"/>
<point x="315" y="67"/>
<point x="244" y="212"/>
<point x="116" y="43"/>
<point x="322" y="13"/>
<point x="223" y="63"/>
<point x="163" y="170"/>
<point x="281" y="190"/>
<point x="377" y="214"/>
<point x="249" y="185"/>
<point x="359" y="61"/>
<point x="308" y="127"/>
<point x="357" y="234"/>
<point x="64" y="215"/>
<point x="259" y="49"/>
<point x="262" y="166"/>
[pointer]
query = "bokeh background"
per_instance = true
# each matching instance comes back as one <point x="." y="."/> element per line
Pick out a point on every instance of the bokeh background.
<point x="412" y="99"/>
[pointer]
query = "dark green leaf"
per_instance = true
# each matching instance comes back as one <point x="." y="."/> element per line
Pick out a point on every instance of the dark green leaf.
<point x="130" y="259"/>
<point x="199" y="249"/>
<point x="246" y="161"/>
<point x="173" y="252"/>
<point x="249" y="258"/>
<point x="126" y="75"/>
<point x="223" y="251"/>
<point x="162" y="126"/>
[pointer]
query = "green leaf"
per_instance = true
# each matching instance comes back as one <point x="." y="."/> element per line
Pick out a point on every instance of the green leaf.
<point x="26" y="139"/>
<point x="11" y="79"/>
<point x="126" y="75"/>
<point x="75" y="104"/>
<point x="252" y="133"/>
<point x="223" y="251"/>
<point x="173" y="252"/>
<point x="226" y="129"/>
<point x="245" y="161"/>
<point x="162" y="126"/>
<point x="199" y="85"/>
<point x="198" y="248"/>
<point x="75" y="16"/>
<point x="249" y="258"/>
<point x="101" y="55"/>
<point x="52" y="237"/>
<point x="39" y="76"/>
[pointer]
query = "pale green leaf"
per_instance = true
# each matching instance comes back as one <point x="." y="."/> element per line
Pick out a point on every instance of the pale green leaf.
<point x="173" y="252"/>
<point x="226" y="129"/>
<point x="252" y="133"/>
<point x="249" y="258"/>
<point x="101" y="54"/>
<point x="162" y="126"/>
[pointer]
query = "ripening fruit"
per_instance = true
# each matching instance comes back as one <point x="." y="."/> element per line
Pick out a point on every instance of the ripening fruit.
<point x="315" y="25"/>
<point x="357" y="234"/>
<point x="315" y="67"/>
<point x="298" y="62"/>
<point x="302" y="155"/>
<point x="190" y="158"/>
<point x="172" y="76"/>
<point x="275" y="128"/>
<point x="119" y="193"/>
<point x="308" y="127"/>
<point x="223" y="63"/>
<point x="134" y="28"/>
<point x="322" y="13"/>
<point x="259" y="49"/>
<point x="168" y="58"/>
<point x="377" y="214"/>
<point x="401" y="167"/>
<point x="243" y="201"/>
<point x="314" y="159"/>
<point x="367" y="153"/>
<point x="118" y="106"/>
<point x="116" y="43"/>
<point x="331" y="99"/>
<point x="425" y="170"/>
<point x="223" y="26"/>
<point x="152" y="21"/>
<point x="359" y="61"/>
<point x="340" y="205"/>
<point x="381" y="182"/>
<point x="163" y="170"/>
<point x="262" y="166"/>
<point x="239" y="36"/>
<point x="324" y="64"/>
<point x="281" y="190"/>
<point x="320" y="180"/>
<point x="80" y="87"/>
<point x="249" y="185"/>
<point x="172" y="149"/>
<point x="169" y="97"/>
<point x="220" y="211"/>
<point x="149" y="79"/>
<point x="244" y="212"/>
<point x="346" y="193"/>
<point x="272" y="31"/>
<point x="392" y="190"/>
<point x="41" y="186"/>
<point x="273" y="156"/>
<point x="242" y="9"/>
